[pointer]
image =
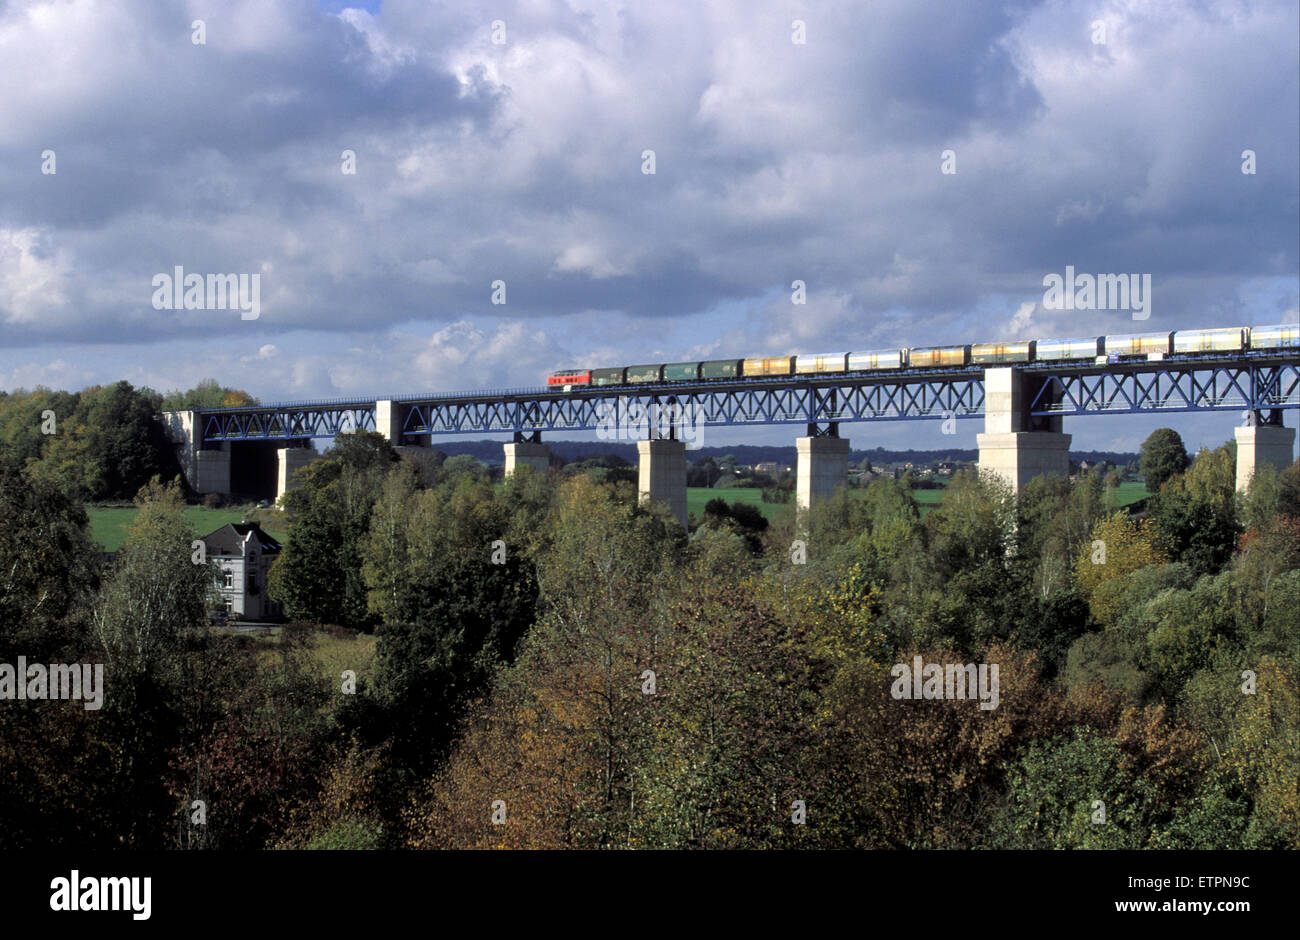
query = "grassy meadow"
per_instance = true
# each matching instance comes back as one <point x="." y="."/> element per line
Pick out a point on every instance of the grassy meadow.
<point x="108" y="524"/>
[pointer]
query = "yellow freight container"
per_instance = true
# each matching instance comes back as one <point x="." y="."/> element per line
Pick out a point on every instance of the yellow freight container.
<point x="774" y="365"/>
<point x="1216" y="340"/>
<point x="1274" y="337"/>
<point x="924" y="357"/>
<point x="984" y="353"/>
<point x="1137" y="344"/>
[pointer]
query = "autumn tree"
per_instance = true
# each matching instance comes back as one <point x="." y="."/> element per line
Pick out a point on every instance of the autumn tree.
<point x="318" y="575"/>
<point x="454" y="598"/>
<point x="152" y="608"/>
<point x="1119" y="546"/>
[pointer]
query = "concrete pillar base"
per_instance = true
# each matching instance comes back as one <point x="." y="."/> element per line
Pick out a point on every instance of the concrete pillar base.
<point x="212" y="470"/>
<point x="207" y="470"/>
<point x="526" y="454"/>
<point x="662" y="476"/>
<point x="1261" y="444"/>
<point x="291" y="459"/>
<point x="822" y="468"/>
<point x="1019" y="456"/>
<point x="388" y="421"/>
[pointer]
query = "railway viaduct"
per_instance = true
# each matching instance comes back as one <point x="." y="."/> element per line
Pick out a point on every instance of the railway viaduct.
<point x="1023" y="408"/>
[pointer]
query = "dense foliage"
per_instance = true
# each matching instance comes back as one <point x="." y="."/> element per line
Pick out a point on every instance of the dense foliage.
<point x="557" y="666"/>
<point x="103" y="442"/>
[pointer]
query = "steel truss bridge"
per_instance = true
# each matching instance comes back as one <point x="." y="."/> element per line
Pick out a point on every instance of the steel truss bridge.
<point x="1262" y="384"/>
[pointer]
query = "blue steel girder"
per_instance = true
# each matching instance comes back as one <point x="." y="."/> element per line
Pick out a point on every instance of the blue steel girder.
<point x="734" y="404"/>
<point x="284" y="423"/>
<point x="1245" y="382"/>
<point x="792" y="400"/>
<point x="1246" y="386"/>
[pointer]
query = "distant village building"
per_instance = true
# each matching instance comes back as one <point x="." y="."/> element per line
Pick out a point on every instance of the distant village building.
<point x="770" y="467"/>
<point x="243" y="554"/>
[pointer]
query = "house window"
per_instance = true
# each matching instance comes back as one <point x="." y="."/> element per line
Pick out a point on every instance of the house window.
<point x="230" y="580"/>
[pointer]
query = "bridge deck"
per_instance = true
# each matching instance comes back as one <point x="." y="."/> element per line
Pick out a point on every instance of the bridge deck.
<point x="1251" y="381"/>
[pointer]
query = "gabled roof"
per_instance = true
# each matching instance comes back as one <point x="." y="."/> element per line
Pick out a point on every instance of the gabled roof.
<point x="229" y="539"/>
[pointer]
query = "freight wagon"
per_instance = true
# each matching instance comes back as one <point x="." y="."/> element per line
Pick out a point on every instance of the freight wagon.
<point x="773" y="365"/>
<point x="681" y="371"/>
<point x="720" y="369"/>
<point x="992" y="353"/>
<point x="871" y="361"/>
<point x="1060" y="350"/>
<point x="637" y="374"/>
<point x="1217" y="340"/>
<point x="1129" y="345"/>
<point x="1101" y="349"/>
<point x="1275" y="337"/>
<point x="929" y="357"/>
<point x="827" y="362"/>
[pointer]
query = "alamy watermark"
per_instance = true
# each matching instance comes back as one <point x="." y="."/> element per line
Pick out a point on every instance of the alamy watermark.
<point x="77" y="893"/>
<point x="952" y="681"/>
<point x="630" y="420"/>
<point x="1098" y="292"/>
<point x="181" y="291"/>
<point x="78" y="681"/>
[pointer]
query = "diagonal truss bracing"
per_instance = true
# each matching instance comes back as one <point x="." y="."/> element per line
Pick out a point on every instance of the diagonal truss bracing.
<point x="1246" y="387"/>
<point x="283" y="423"/>
<point x="713" y="406"/>
<point x="1243" y="383"/>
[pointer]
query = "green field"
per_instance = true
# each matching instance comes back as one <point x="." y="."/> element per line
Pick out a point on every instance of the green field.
<point x="108" y="523"/>
<point x="926" y="500"/>
<point x="697" y="496"/>
<point x="1127" y="493"/>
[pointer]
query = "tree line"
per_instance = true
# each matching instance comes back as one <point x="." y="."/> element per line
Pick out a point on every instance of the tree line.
<point x="103" y="442"/>
<point x="558" y="666"/>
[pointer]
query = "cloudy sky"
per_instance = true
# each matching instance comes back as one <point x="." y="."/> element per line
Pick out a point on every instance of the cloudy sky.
<point x="521" y="160"/>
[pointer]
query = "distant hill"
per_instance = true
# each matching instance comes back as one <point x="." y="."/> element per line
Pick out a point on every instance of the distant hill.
<point x="489" y="452"/>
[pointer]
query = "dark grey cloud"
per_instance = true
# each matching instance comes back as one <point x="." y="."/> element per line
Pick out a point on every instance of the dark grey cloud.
<point x="522" y="162"/>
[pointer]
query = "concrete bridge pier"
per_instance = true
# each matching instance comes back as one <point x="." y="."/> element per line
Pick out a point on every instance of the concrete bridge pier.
<point x="662" y="475"/>
<point x="523" y="452"/>
<point x="389" y="416"/>
<point x="1260" y="444"/>
<point x="291" y="460"/>
<point x="207" y="469"/>
<point x="822" y="467"/>
<point x="212" y="469"/>
<point x="1015" y="445"/>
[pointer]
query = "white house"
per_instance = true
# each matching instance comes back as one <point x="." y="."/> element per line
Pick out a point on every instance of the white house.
<point x="244" y="554"/>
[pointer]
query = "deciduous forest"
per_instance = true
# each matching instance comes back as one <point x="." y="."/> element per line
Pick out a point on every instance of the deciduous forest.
<point x="557" y="666"/>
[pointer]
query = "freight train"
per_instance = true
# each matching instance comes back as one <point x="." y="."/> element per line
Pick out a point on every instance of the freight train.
<point x="1099" y="349"/>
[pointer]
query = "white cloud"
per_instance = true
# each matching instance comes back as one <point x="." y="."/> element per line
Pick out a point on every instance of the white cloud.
<point x="522" y="162"/>
<point x="32" y="276"/>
